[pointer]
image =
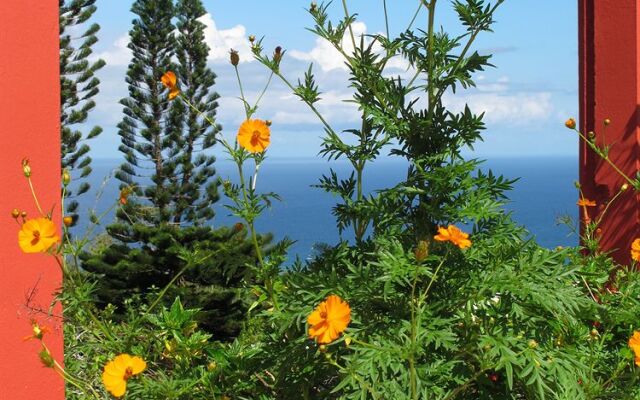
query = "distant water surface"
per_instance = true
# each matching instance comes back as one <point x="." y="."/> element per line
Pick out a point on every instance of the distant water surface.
<point x="544" y="192"/>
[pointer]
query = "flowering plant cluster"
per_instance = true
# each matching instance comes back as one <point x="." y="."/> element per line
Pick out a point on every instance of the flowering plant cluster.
<point x="439" y="295"/>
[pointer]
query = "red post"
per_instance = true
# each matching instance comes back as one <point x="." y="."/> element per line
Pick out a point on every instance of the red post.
<point x="610" y="88"/>
<point x="29" y="111"/>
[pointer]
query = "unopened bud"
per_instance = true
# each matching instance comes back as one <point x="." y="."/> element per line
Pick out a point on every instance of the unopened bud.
<point x="26" y="168"/>
<point x="234" y="58"/>
<point x="624" y="187"/>
<point x="422" y="251"/>
<point x="347" y="341"/>
<point x="15" y="213"/>
<point x="23" y="214"/>
<point x="277" y="54"/>
<point x="532" y="344"/>
<point x="238" y="227"/>
<point x="323" y="348"/>
<point x="607" y="122"/>
<point x="594" y="332"/>
<point x="591" y="134"/>
<point x="252" y="38"/>
<point x="577" y="184"/>
<point x="67" y="220"/>
<point x="313" y="7"/>
<point x="226" y="184"/>
<point x="268" y="122"/>
<point x="211" y="366"/>
<point x="46" y="358"/>
<point x="66" y="177"/>
<point x="570" y="123"/>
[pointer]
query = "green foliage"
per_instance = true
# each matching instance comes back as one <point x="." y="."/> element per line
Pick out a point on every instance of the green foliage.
<point x="213" y="267"/>
<point x="78" y="86"/>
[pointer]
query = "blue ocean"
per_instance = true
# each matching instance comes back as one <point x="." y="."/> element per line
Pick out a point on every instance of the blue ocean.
<point x="544" y="193"/>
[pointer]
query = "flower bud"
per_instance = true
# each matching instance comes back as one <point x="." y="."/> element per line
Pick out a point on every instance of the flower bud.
<point x="26" y="168"/>
<point x="252" y="38"/>
<point x="532" y="344"/>
<point x="23" y="214"/>
<point x="46" y="358"/>
<point x="577" y="184"/>
<point x="15" y="213"/>
<point x="234" y="58"/>
<point x="624" y="187"/>
<point x="268" y="122"/>
<point x="591" y="135"/>
<point x="347" y="341"/>
<point x="238" y="227"/>
<point x="67" y="220"/>
<point x="66" y="177"/>
<point x="277" y="54"/>
<point x="211" y="366"/>
<point x="313" y="7"/>
<point x="607" y="122"/>
<point x="570" y="123"/>
<point x="422" y="251"/>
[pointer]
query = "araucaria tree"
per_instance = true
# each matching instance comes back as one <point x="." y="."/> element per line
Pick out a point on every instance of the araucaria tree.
<point x="197" y="191"/>
<point x="78" y="86"/>
<point x="160" y="233"/>
<point x="150" y="126"/>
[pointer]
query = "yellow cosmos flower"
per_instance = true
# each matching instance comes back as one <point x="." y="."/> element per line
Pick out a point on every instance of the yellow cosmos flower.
<point x="170" y="81"/>
<point x="329" y="320"/>
<point x="454" y="235"/>
<point x="634" y="343"/>
<point x="118" y="371"/>
<point x="635" y="250"/>
<point x="254" y="135"/>
<point x="37" y="235"/>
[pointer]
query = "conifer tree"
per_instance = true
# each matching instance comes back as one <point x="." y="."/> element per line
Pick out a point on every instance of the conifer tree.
<point x="148" y="129"/>
<point x="78" y="85"/>
<point x="197" y="190"/>
<point x="160" y="231"/>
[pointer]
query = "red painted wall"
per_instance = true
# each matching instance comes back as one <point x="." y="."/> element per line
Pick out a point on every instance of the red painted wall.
<point x="30" y="127"/>
<point x="610" y="88"/>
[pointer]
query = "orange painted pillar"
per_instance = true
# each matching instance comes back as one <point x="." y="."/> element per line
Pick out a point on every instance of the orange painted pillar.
<point x="29" y="128"/>
<point x="610" y="88"/>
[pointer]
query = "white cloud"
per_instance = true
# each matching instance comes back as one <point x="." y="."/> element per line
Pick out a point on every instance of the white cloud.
<point x="505" y="107"/>
<point x="220" y="41"/>
<point x="118" y="54"/>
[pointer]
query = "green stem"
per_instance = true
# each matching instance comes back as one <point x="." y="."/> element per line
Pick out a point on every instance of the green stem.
<point x="386" y="17"/>
<point x="415" y="15"/>
<point x="35" y="198"/>
<point x="431" y="40"/>
<point x="244" y="100"/>
<point x="346" y="14"/>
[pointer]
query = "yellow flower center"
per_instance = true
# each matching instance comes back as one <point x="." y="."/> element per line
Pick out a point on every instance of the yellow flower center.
<point x="128" y="373"/>
<point x="36" y="238"/>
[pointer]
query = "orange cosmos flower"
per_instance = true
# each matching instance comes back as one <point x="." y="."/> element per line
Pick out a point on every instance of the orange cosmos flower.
<point x="454" y="235"/>
<point x="170" y="81"/>
<point x="37" y="235"/>
<point x="584" y="202"/>
<point x="635" y="250"/>
<point x="254" y="135"/>
<point x="118" y="371"/>
<point x="329" y="320"/>
<point x="37" y="330"/>
<point x="634" y="343"/>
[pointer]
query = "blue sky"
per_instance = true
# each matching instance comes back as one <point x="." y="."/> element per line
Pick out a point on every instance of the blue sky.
<point x="526" y="98"/>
